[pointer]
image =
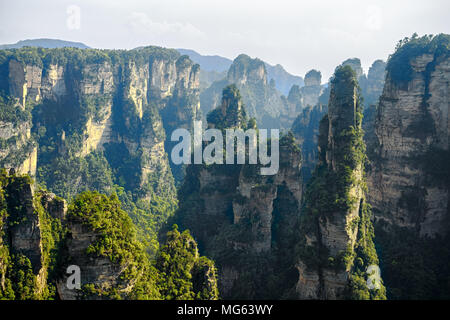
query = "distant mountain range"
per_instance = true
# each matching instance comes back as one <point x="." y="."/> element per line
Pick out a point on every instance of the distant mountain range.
<point x="208" y="63"/>
<point x="283" y="79"/>
<point x="44" y="43"/>
<point x="214" y="64"/>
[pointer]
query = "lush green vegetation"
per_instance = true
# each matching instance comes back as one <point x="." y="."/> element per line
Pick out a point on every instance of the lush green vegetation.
<point x="231" y="245"/>
<point x="11" y="112"/>
<point x="413" y="267"/>
<point x="329" y="195"/>
<point x="178" y="272"/>
<point x="147" y="216"/>
<point x="19" y="275"/>
<point x="235" y="114"/>
<point x="59" y="130"/>
<point x="399" y="66"/>
<point x="256" y="92"/>
<point x="184" y="274"/>
<point x="116" y="240"/>
<point x="177" y="269"/>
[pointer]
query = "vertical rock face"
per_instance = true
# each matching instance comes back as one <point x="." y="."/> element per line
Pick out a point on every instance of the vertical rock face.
<point x="306" y="132"/>
<point x="18" y="149"/>
<point x="261" y="99"/>
<point x="409" y="180"/>
<point x="55" y="206"/>
<point x="371" y="88"/>
<point x="312" y="89"/>
<point x="182" y="106"/>
<point x="375" y="83"/>
<point x="240" y="218"/>
<point x="25" y="237"/>
<point x="101" y="243"/>
<point x="246" y="70"/>
<point x="84" y="100"/>
<point x="372" y="84"/>
<point x="313" y="78"/>
<point x="355" y="64"/>
<point x="335" y="237"/>
<point x="231" y="113"/>
<point x="98" y="271"/>
<point x="295" y="96"/>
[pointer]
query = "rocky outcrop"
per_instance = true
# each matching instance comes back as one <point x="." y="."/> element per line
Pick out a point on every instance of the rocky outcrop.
<point x="371" y="84"/>
<point x="407" y="183"/>
<point x="100" y="272"/>
<point x="240" y="218"/>
<point x="375" y="83"/>
<point x="312" y="90"/>
<point x="355" y="64"/>
<point x="84" y="100"/>
<point x="18" y="148"/>
<point x="408" y="180"/>
<point x="24" y="243"/>
<point x="306" y="132"/>
<point x="261" y="99"/>
<point x="101" y="257"/>
<point x="214" y="68"/>
<point x="335" y="223"/>
<point x="25" y="236"/>
<point x="55" y="206"/>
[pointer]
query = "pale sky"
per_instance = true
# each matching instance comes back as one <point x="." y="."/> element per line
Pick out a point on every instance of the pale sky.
<point x="300" y="35"/>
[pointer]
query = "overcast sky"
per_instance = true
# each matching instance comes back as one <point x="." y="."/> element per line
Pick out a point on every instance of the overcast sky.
<point x="300" y="35"/>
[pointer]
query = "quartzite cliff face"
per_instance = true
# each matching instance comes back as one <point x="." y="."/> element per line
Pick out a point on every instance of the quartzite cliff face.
<point x="335" y="240"/>
<point x="409" y="177"/>
<point x="408" y="182"/>
<point x="240" y="218"/>
<point x="29" y="233"/>
<point x="91" y="100"/>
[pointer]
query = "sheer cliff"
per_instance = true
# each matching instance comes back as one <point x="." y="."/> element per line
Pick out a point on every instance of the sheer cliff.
<point x="242" y="219"/>
<point x="409" y="180"/>
<point x="30" y="234"/>
<point x="84" y="119"/>
<point x="89" y="250"/>
<point x="335" y="245"/>
<point x="313" y="107"/>
<point x="306" y="131"/>
<point x="88" y="101"/>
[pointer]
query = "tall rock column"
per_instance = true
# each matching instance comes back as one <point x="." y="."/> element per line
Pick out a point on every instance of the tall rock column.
<point x="30" y="230"/>
<point x="312" y="89"/>
<point x="335" y="246"/>
<point x="241" y="219"/>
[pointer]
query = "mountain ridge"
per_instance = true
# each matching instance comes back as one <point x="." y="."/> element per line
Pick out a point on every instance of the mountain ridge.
<point x="44" y="43"/>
